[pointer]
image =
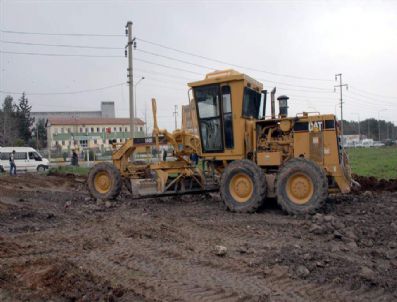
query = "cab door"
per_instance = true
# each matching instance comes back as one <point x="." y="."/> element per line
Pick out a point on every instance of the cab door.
<point x="209" y="118"/>
<point x="32" y="162"/>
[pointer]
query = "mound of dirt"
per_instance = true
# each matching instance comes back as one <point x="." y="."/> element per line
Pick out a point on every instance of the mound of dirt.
<point x="370" y="183"/>
<point x="53" y="278"/>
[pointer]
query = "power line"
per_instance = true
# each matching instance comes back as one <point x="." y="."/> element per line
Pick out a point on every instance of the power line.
<point x="65" y="92"/>
<point x="60" y="45"/>
<point x="60" y="55"/>
<point x="323" y="90"/>
<point x="326" y="90"/>
<point x="61" y="34"/>
<point x="164" y="74"/>
<point x="371" y="98"/>
<point x="175" y="59"/>
<point x="374" y="94"/>
<point x="228" y="63"/>
<point x="167" y="66"/>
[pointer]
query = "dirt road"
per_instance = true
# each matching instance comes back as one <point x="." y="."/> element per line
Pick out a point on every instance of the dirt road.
<point x="57" y="244"/>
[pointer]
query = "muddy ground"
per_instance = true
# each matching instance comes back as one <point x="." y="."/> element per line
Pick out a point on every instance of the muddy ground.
<point x="57" y="244"/>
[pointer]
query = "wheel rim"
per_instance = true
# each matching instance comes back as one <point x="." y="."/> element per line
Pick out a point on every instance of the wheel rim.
<point x="241" y="187"/>
<point x="300" y="188"/>
<point x="102" y="182"/>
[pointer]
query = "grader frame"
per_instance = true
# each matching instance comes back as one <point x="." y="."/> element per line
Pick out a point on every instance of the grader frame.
<point x="244" y="154"/>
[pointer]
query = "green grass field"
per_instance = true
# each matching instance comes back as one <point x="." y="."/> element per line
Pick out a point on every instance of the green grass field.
<point x="80" y="171"/>
<point x="377" y="162"/>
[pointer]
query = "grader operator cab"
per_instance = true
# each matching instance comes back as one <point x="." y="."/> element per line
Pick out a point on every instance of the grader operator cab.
<point x="245" y="155"/>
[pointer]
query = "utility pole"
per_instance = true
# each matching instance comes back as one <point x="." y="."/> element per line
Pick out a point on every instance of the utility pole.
<point x="368" y="127"/>
<point x="37" y="138"/>
<point x="341" y="109"/>
<point x="176" y="115"/>
<point x="359" y="128"/>
<point x="130" y="75"/>
<point x="145" y="121"/>
<point x="379" y="122"/>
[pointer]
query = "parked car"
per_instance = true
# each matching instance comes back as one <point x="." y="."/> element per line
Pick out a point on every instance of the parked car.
<point x="26" y="159"/>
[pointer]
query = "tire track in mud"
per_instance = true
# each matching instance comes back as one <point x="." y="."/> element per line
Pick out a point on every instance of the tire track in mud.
<point x="172" y="278"/>
<point x="164" y="249"/>
<point x="281" y="284"/>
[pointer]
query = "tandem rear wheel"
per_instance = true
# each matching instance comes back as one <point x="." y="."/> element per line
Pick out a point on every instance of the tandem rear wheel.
<point x="301" y="186"/>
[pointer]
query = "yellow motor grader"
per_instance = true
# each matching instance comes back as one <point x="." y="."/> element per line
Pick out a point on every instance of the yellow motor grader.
<point x="234" y="148"/>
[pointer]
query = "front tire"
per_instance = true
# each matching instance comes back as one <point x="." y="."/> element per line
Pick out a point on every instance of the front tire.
<point x="243" y="186"/>
<point x="104" y="181"/>
<point x="41" y="169"/>
<point x="302" y="186"/>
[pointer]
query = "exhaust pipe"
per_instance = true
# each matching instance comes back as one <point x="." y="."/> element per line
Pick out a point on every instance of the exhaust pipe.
<point x="283" y="105"/>
<point x="273" y="103"/>
<point x="264" y="92"/>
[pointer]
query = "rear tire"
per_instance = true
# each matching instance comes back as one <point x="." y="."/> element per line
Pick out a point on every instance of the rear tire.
<point x="301" y="186"/>
<point x="104" y="181"/>
<point x="243" y="186"/>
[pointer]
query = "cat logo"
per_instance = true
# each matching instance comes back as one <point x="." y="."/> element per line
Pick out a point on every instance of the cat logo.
<point x="315" y="126"/>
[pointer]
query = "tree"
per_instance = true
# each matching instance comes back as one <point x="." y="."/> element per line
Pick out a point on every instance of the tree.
<point x="371" y="128"/>
<point x="25" y="122"/>
<point x="40" y="133"/>
<point x="8" y="122"/>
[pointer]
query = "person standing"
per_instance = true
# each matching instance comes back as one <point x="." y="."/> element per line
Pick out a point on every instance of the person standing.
<point x="13" y="167"/>
<point x="75" y="158"/>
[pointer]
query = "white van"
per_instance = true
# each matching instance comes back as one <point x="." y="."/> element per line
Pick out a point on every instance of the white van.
<point x="26" y="159"/>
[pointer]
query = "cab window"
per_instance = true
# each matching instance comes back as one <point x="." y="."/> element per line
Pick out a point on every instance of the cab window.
<point x="251" y="103"/>
<point x="35" y="156"/>
<point x="208" y="105"/>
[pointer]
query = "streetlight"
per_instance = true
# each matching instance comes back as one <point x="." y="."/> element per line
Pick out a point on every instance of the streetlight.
<point x="140" y="80"/>
<point x="379" y="122"/>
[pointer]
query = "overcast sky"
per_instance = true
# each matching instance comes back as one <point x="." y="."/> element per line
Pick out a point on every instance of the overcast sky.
<point x="306" y="42"/>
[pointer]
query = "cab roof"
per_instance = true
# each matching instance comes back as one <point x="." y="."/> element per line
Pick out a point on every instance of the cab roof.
<point x="221" y="76"/>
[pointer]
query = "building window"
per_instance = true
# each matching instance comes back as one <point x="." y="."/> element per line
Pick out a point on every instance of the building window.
<point x="81" y="130"/>
<point x="86" y="130"/>
<point x="62" y="130"/>
<point x="103" y="129"/>
<point x="121" y="129"/>
<point x="95" y="141"/>
<point x="83" y="143"/>
<point x="97" y="130"/>
<point x="69" y="130"/>
<point x="92" y="130"/>
<point x="114" y="129"/>
<point x="126" y="129"/>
